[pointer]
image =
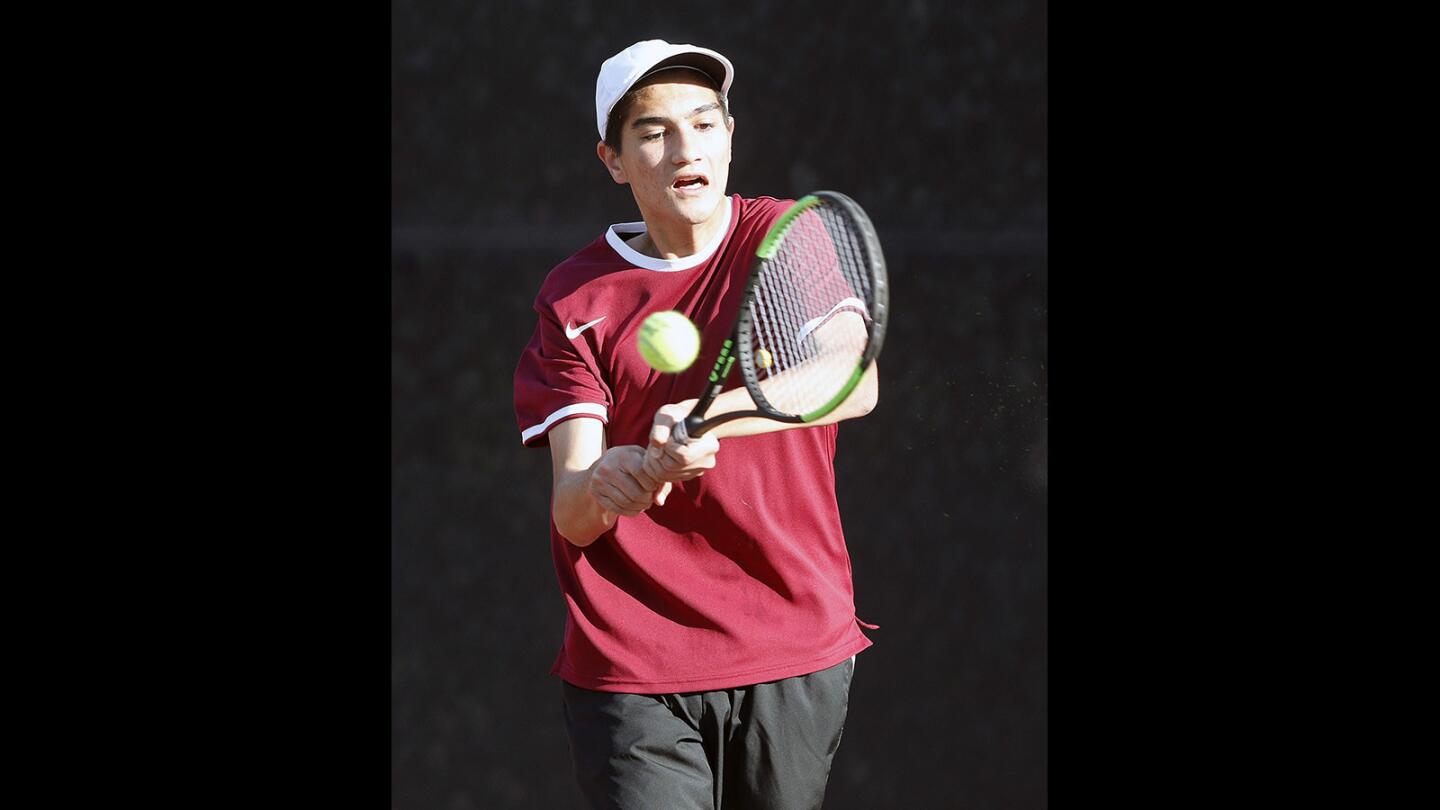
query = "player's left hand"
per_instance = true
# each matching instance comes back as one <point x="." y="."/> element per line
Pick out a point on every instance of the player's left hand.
<point x="668" y="461"/>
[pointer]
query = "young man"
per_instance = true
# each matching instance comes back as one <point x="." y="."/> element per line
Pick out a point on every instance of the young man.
<point x="711" y="630"/>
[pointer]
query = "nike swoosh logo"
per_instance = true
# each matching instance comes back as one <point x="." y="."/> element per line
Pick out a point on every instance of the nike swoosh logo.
<point x="574" y="332"/>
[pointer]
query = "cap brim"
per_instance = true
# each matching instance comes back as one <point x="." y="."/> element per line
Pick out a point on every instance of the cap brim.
<point x="708" y="65"/>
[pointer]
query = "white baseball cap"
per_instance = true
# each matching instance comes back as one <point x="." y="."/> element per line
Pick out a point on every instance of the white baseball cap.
<point x="620" y="72"/>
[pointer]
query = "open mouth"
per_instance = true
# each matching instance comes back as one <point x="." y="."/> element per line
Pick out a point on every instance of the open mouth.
<point x="690" y="181"/>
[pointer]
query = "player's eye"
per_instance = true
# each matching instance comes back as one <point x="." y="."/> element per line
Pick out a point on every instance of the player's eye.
<point x="653" y="136"/>
<point x="705" y="125"/>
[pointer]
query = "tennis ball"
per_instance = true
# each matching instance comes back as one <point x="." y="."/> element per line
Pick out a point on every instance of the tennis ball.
<point x="668" y="341"/>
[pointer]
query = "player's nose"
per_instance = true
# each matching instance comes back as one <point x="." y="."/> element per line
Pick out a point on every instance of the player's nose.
<point x="687" y="146"/>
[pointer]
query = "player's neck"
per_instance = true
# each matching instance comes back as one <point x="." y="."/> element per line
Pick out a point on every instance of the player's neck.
<point x="671" y="241"/>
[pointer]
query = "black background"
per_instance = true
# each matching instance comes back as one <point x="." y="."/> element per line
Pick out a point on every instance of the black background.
<point x="934" y="117"/>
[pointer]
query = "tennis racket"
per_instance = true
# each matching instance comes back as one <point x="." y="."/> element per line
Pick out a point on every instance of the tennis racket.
<point x="812" y="318"/>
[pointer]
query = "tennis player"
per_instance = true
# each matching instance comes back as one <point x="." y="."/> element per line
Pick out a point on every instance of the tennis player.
<point x="710" y="634"/>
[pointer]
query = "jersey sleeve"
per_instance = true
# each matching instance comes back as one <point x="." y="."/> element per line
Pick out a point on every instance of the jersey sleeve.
<point x="554" y="382"/>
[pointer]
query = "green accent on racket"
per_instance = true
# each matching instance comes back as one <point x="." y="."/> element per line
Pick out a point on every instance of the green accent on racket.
<point x="839" y="397"/>
<point x="782" y="226"/>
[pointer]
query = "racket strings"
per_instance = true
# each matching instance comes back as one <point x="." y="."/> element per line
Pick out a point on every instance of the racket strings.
<point x="809" y="312"/>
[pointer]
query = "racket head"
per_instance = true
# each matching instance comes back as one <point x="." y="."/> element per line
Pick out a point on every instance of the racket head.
<point x="814" y="312"/>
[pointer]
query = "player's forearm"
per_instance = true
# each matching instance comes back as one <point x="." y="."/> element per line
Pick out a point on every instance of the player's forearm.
<point x="860" y="402"/>
<point x="578" y="516"/>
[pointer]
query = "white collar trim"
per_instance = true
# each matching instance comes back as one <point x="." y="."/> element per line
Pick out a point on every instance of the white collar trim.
<point x="639" y="259"/>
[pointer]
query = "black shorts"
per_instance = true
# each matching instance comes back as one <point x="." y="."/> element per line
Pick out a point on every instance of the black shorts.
<point x="763" y="746"/>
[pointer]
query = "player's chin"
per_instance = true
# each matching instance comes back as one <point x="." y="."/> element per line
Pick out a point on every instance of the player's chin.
<point x="696" y="207"/>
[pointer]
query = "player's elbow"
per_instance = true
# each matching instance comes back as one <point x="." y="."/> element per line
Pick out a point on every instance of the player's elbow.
<point x="576" y="516"/>
<point x="865" y="402"/>
<point x="578" y="540"/>
<point x="574" y="533"/>
<point x="867" y="395"/>
<point x="582" y="524"/>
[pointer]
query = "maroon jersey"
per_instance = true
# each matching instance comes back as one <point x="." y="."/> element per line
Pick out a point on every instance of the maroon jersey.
<point x="742" y="576"/>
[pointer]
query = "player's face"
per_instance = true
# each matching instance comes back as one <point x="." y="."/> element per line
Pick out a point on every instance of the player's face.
<point x="675" y="151"/>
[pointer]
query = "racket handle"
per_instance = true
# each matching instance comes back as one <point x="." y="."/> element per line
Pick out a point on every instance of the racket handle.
<point x="681" y="431"/>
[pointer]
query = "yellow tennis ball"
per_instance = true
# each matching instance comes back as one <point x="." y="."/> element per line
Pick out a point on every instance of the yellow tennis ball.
<point x="764" y="357"/>
<point x="668" y="341"/>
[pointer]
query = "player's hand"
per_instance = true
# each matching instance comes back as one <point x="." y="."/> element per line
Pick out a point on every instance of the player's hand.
<point x="620" y="484"/>
<point x="667" y="461"/>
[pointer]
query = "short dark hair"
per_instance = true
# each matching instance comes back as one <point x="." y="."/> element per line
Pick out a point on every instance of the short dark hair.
<point x="621" y="110"/>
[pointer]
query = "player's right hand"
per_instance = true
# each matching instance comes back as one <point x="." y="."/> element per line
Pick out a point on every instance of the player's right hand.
<point x="620" y="484"/>
<point x="668" y="461"/>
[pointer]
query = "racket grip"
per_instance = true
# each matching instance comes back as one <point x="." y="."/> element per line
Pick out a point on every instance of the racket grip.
<point x="681" y="431"/>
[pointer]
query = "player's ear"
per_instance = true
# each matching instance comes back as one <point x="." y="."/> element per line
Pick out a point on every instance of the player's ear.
<point x="611" y="159"/>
